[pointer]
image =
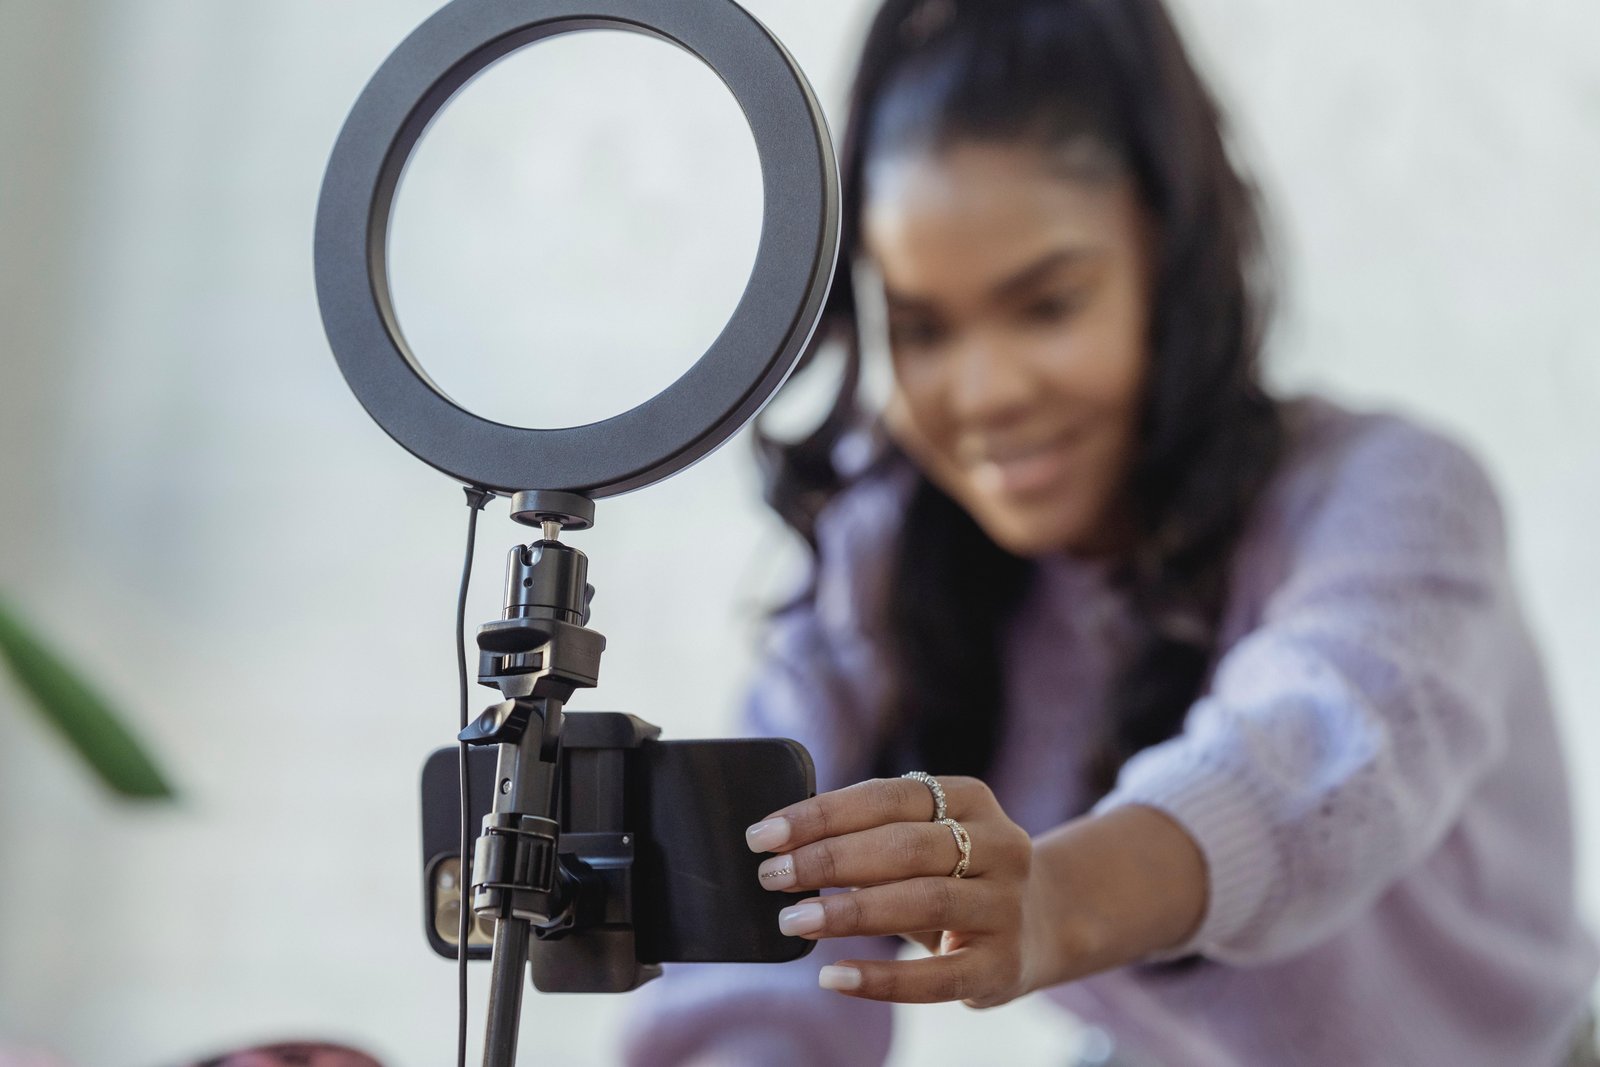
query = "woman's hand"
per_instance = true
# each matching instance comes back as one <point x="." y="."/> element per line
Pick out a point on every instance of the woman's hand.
<point x="1096" y="893"/>
<point x="878" y="836"/>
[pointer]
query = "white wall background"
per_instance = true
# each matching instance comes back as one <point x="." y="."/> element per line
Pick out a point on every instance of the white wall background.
<point x="198" y="509"/>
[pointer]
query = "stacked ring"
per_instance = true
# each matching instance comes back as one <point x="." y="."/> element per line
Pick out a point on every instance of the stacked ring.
<point x="939" y="809"/>
<point x="964" y="843"/>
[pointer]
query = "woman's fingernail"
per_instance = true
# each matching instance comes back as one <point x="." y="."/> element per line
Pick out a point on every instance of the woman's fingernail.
<point x="777" y="873"/>
<point x="801" y="919"/>
<point x="766" y="836"/>
<point x="836" y="976"/>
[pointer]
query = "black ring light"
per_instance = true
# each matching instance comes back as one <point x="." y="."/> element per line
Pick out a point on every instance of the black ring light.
<point x="728" y="384"/>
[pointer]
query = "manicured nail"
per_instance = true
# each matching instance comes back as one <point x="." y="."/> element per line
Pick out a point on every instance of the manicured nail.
<point x="766" y="836"/>
<point x="777" y="873"/>
<point x="835" y="976"/>
<point x="801" y="919"/>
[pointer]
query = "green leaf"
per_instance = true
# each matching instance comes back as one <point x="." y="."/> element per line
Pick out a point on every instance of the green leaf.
<point x="84" y="718"/>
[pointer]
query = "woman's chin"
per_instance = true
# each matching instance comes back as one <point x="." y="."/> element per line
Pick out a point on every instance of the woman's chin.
<point x="1034" y="532"/>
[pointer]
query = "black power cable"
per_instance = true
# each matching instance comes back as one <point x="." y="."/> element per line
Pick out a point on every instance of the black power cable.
<point x="476" y="499"/>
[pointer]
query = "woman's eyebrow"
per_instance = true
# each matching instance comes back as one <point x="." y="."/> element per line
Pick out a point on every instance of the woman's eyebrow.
<point x="1018" y="281"/>
<point x="1041" y="268"/>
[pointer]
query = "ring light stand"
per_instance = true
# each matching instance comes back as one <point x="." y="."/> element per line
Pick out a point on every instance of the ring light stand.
<point x="541" y="651"/>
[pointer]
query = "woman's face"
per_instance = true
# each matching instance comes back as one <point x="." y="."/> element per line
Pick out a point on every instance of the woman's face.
<point x="1018" y="303"/>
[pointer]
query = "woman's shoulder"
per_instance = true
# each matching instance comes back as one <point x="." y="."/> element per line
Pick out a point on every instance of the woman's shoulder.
<point x="1376" y="479"/>
<point x="1365" y="493"/>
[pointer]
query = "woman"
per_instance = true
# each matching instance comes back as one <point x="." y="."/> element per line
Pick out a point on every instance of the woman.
<point x="1242" y="747"/>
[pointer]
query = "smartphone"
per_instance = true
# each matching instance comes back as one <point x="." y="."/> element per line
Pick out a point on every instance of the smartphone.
<point x="673" y="813"/>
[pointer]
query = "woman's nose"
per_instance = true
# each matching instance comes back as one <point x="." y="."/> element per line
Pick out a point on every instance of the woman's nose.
<point x="989" y="382"/>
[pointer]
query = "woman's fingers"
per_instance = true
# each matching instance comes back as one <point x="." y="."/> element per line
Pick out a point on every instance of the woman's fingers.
<point x="867" y="857"/>
<point x="915" y="904"/>
<point x="863" y="806"/>
<point x="879" y="837"/>
<point x="966" y="974"/>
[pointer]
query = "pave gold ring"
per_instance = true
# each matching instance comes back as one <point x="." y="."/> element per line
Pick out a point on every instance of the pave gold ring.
<point x="939" y="808"/>
<point x="963" y="842"/>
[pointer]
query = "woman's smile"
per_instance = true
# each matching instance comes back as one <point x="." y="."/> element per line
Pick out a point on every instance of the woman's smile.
<point x="1022" y="469"/>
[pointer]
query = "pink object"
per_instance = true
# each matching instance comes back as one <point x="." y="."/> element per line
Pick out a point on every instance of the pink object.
<point x="294" y="1054"/>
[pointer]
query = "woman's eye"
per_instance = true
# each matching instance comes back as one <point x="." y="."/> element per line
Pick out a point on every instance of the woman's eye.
<point x="1050" y="310"/>
<point x="915" y="334"/>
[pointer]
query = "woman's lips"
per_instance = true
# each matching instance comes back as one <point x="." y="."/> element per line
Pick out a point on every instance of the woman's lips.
<point x="1023" y="472"/>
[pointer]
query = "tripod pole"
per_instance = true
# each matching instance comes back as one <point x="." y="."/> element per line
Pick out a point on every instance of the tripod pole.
<point x="505" y="991"/>
<point x="518" y="879"/>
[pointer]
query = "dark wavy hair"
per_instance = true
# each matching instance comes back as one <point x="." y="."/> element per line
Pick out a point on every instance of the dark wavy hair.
<point x="1061" y="74"/>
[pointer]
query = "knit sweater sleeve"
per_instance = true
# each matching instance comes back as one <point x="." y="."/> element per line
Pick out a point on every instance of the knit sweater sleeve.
<point x="1340" y="737"/>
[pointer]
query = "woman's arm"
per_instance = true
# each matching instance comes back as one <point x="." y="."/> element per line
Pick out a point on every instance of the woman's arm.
<point x="1342" y="737"/>
<point x="1121" y="886"/>
<point x="1336" y="748"/>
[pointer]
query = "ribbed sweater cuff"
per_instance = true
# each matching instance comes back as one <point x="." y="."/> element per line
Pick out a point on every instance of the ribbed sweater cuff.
<point x="1228" y="823"/>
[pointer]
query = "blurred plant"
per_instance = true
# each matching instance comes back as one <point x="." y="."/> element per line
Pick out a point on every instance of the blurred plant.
<point x="88" y="723"/>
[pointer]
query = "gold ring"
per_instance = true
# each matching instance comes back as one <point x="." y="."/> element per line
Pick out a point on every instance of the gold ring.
<point x="963" y="842"/>
<point x="939" y="809"/>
